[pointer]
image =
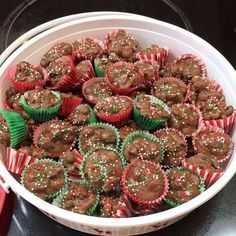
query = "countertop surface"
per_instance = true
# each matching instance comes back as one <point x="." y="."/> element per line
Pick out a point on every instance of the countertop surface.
<point x="213" y="20"/>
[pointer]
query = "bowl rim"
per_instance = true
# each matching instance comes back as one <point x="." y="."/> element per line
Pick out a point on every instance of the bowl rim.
<point x="124" y="222"/>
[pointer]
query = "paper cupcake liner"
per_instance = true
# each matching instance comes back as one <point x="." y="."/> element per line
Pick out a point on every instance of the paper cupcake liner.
<point x="143" y="134"/>
<point x="114" y="118"/>
<point x="51" y="196"/>
<point x="201" y="188"/>
<point x="200" y="120"/>
<point x="8" y="108"/>
<point x="99" y="72"/>
<point x="226" y="123"/>
<point x="216" y="130"/>
<point x="22" y="87"/>
<point x="88" y="84"/>
<point x="68" y="105"/>
<point x="41" y="114"/>
<point x="171" y="79"/>
<point x="37" y="133"/>
<point x="158" y="134"/>
<point x="208" y="176"/>
<point x="17" y="127"/>
<point x="81" y="55"/>
<point x="57" y="201"/>
<point x="105" y="126"/>
<point x="118" y="90"/>
<point x="161" y="57"/>
<point x="196" y="59"/>
<point x="145" y="122"/>
<point x="134" y="198"/>
<point x="69" y="80"/>
<point x="16" y="160"/>
<point x="124" y="209"/>
<point x="86" y="76"/>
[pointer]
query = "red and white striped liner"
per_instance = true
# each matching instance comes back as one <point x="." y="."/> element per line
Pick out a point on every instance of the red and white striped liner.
<point x="216" y="130"/>
<point x="161" y="57"/>
<point x="208" y="176"/>
<point x="80" y="54"/>
<point x="125" y="209"/>
<point x="226" y="123"/>
<point x="196" y="59"/>
<point x="22" y="87"/>
<point x="16" y="161"/>
<point x="69" y="80"/>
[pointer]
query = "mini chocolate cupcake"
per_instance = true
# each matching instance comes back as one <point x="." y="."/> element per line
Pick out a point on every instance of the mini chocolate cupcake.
<point x="145" y="182"/>
<point x="185" y="118"/>
<point x="150" y="71"/>
<point x="142" y="145"/>
<point x="185" y="68"/>
<point x="213" y="142"/>
<point x="72" y="161"/>
<point x="35" y="152"/>
<point x="84" y="72"/>
<point x="122" y="45"/>
<point x="103" y="169"/>
<point x="100" y="65"/>
<point x="127" y="129"/>
<point x="79" y="197"/>
<point x="41" y="105"/>
<point x="96" y="89"/>
<point x="82" y="115"/>
<point x="123" y="77"/>
<point x="114" y="109"/>
<point x="184" y="186"/>
<point x="98" y="135"/>
<point x="150" y="112"/>
<point x="24" y="76"/>
<point x="57" y="51"/>
<point x="45" y="178"/>
<point x="155" y="53"/>
<point x="13" y="129"/>
<point x="170" y="90"/>
<point x="12" y="102"/>
<point x="174" y="144"/>
<point x="55" y="137"/>
<point x="88" y="48"/>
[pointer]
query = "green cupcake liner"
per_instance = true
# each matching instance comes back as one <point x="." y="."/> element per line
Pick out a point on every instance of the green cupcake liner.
<point x="50" y="197"/>
<point x="143" y="134"/>
<point x="99" y="72"/>
<point x="41" y="114"/>
<point x="106" y="126"/>
<point x="17" y="127"/>
<point x="57" y="201"/>
<point x="123" y="161"/>
<point x="145" y="122"/>
<point x="202" y="187"/>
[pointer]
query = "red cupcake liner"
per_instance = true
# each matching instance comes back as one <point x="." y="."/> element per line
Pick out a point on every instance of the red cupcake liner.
<point x="161" y="57"/>
<point x="80" y="53"/>
<point x="39" y="130"/>
<point x="208" y="176"/>
<point x="196" y="59"/>
<point x="22" y="87"/>
<point x="172" y="79"/>
<point x="69" y="104"/>
<point x="212" y="83"/>
<point x="118" y="90"/>
<point x="226" y="123"/>
<point x="16" y="160"/>
<point x="115" y="118"/>
<point x="216" y="130"/>
<point x="68" y="82"/>
<point x="7" y="107"/>
<point x="125" y="209"/>
<point x="86" y="76"/>
<point x="158" y="134"/>
<point x="137" y="200"/>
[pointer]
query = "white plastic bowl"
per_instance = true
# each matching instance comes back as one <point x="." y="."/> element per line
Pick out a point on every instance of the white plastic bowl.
<point x="147" y="31"/>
